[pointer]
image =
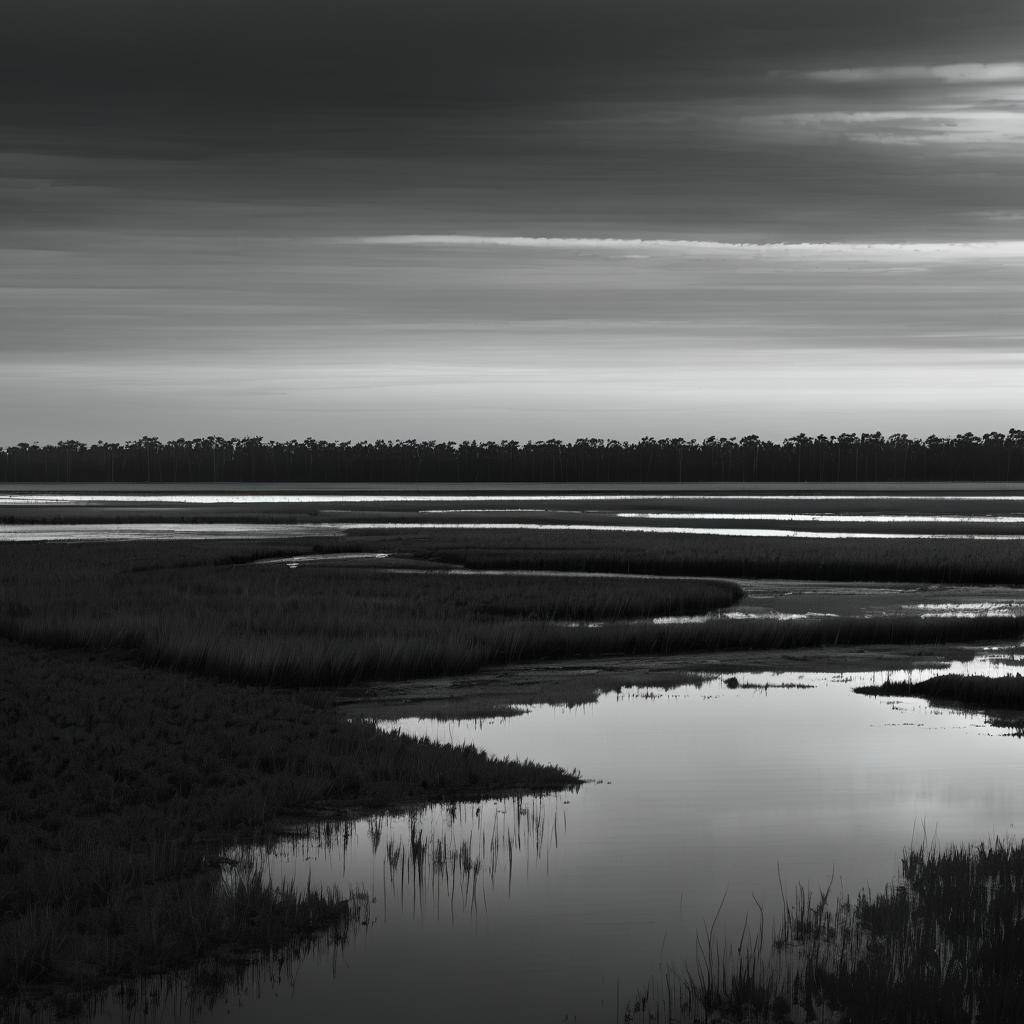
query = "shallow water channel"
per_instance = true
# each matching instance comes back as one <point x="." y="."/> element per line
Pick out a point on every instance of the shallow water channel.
<point x="558" y="908"/>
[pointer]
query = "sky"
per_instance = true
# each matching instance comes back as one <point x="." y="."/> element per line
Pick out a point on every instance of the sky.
<point x="361" y="219"/>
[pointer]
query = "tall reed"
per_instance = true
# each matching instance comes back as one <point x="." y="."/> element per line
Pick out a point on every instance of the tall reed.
<point x="941" y="944"/>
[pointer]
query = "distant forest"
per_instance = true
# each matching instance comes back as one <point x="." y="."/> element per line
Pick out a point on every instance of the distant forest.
<point x="870" y="458"/>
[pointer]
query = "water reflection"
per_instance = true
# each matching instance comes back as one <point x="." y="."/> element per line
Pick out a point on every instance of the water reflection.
<point x="298" y="498"/>
<point x="821" y="517"/>
<point x="450" y="861"/>
<point x="444" y="860"/>
<point x="252" y="531"/>
<point x="210" y="985"/>
<point x="165" y="531"/>
<point x="694" y="620"/>
<point x="959" y="609"/>
<point x="295" y="561"/>
<point x="939" y="610"/>
<point x="432" y="494"/>
<point x="706" y="795"/>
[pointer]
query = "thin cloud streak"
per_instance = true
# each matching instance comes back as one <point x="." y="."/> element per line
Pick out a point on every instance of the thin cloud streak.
<point x="900" y="251"/>
<point x="951" y="74"/>
<point x="955" y="124"/>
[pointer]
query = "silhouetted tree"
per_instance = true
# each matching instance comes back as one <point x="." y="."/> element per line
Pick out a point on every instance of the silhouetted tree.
<point x="849" y="457"/>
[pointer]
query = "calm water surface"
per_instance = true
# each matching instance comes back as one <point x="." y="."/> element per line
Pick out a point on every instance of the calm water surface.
<point x="256" y="531"/>
<point x="932" y="513"/>
<point x="556" y="908"/>
<point x="820" y="517"/>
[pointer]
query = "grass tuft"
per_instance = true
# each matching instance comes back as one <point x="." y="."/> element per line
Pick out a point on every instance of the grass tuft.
<point x="982" y="693"/>
<point x="943" y="943"/>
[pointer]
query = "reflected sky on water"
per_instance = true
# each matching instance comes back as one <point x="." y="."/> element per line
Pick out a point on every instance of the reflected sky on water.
<point x="819" y="517"/>
<point x="255" y="531"/>
<point x="227" y="494"/>
<point x="553" y="908"/>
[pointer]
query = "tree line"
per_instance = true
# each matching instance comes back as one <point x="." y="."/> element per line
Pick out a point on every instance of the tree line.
<point x="853" y="458"/>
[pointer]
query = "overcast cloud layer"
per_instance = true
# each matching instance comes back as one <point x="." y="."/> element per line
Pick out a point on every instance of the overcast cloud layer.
<point x="498" y="219"/>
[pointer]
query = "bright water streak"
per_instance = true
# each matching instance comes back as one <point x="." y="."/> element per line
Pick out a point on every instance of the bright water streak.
<point x="701" y="793"/>
<point x="254" y="531"/>
<point x="339" y="495"/>
<point x="298" y="498"/>
<point x="818" y="517"/>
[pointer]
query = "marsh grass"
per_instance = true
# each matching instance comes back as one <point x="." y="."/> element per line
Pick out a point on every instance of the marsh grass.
<point x="1002" y="693"/>
<point x="1000" y="699"/>
<point x="247" y="971"/>
<point x="230" y="928"/>
<point x="121" y="786"/>
<point x="331" y="627"/>
<point x="942" y="944"/>
<point x="924" y="561"/>
<point x="320" y="626"/>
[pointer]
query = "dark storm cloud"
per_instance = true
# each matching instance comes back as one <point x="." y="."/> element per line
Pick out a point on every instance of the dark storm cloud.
<point x="707" y="118"/>
<point x="694" y="113"/>
<point x="254" y="59"/>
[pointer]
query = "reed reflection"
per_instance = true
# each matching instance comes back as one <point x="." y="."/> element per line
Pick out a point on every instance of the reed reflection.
<point x="443" y="860"/>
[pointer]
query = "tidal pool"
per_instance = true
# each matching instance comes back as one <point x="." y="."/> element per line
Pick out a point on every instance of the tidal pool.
<point x="558" y="908"/>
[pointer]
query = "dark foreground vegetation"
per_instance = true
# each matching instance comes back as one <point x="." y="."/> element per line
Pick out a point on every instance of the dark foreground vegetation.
<point x="943" y="944"/>
<point x="121" y="787"/>
<point x="912" y="561"/>
<point x="855" y="458"/>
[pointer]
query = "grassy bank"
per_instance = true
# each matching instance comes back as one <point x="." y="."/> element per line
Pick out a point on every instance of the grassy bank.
<point x="1000" y="699"/>
<point x="1003" y="693"/>
<point x="916" y="561"/>
<point x="210" y="610"/>
<point x="207" y="610"/>
<point x="942" y="944"/>
<point x="120" y="786"/>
